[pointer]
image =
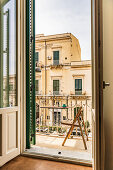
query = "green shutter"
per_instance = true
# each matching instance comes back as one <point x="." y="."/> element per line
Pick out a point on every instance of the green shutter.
<point x="6" y="47"/>
<point x="30" y="73"/>
<point x="7" y="53"/>
<point x="78" y="86"/>
<point x="36" y="85"/>
<point x="76" y="109"/>
<point x="56" y="87"/>
<point x="4" y="53"/>
<point x="55" y="57"/>
<point x="10" y="87"/>
<point x="36" y="56"/>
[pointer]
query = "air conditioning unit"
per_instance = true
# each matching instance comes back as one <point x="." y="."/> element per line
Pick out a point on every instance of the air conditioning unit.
<point x="49" y="57"/>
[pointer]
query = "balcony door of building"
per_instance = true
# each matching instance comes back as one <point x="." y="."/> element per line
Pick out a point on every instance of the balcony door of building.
<point x="9" y="81"/>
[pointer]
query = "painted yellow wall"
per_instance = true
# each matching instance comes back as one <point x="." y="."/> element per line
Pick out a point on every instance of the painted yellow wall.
<point x="75" y="50"/>
<point x="67" y="45"/>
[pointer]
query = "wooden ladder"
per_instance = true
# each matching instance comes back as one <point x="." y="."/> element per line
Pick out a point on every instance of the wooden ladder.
<point x="77" y="119"/>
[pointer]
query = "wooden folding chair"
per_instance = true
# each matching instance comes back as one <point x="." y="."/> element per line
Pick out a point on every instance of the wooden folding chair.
<point x="76" y="119"/>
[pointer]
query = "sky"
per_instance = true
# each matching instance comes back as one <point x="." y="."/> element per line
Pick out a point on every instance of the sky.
<point x="62" y="16"/>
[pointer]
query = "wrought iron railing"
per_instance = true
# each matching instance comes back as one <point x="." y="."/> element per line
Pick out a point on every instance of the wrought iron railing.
<point x="78" y="92"/>
<point x="56" y="93"/>
<point x="56" y="62"/>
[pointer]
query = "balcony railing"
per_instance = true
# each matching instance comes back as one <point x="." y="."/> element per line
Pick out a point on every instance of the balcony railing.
<point x="55" y="62"/>
<point x="56" y="93"/>
<point x="78" y="92"/>
<point x="36" y="92"/>
<point x="59" y="116"/>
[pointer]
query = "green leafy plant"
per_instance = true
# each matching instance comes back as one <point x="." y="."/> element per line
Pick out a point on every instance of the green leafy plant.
<point x="59" y="130"/>
<point x="87" y="124"/>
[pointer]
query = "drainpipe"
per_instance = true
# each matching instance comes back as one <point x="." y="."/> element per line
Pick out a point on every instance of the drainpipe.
<point x="45" y="77"/>
<point x="67" y="106"/>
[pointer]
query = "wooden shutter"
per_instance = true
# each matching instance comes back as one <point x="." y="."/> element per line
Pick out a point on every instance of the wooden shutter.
<point x="36" y="85"/>
<point x="56" y="86"/>
<point x="56" y="57"/>
<point x="30" y="73"/>
<point x="4" y="53"/>
<point x="78" y="86"/>
<point x="36" y="56"/>
<point x="76" y="109"/>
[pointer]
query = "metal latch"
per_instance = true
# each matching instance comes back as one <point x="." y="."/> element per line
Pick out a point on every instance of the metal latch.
<point x="105" y="84"/>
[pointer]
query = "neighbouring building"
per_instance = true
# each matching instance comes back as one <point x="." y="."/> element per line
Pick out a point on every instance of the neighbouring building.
<point x="62" y="78"/>
<point x="9" y="91"/>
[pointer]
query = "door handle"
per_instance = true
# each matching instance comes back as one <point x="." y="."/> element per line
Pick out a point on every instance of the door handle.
<point x="105" y="84"/>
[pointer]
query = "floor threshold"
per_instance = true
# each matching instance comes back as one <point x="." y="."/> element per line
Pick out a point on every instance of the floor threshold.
<point x="58" y="159"/>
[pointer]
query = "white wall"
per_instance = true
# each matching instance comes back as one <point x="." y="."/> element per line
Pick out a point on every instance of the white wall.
<point x="108" y="77"/>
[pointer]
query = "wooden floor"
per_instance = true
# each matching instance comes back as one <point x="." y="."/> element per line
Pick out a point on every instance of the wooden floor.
<point x="25" y="163"/>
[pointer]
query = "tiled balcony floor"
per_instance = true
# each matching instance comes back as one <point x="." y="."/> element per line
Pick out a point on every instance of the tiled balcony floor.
<point x="52" y="145"/>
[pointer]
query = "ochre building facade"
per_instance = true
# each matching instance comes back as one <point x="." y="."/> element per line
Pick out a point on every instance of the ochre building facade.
<point x="62" y="79"/>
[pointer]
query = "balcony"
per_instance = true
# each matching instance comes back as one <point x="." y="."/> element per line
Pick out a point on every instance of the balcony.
<point x="78" y="92"/>
<point x="36" y="93"/>
<point x="56" y="64"/>
<point x="56" y="93"/>
<point x="50" y="133"/>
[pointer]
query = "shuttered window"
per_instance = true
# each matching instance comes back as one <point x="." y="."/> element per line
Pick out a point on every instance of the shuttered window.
<point x="37" y="86"/>
<point x="78" y="86"/>
<point x="36" y="56"/>
<point x="55" y="87"/>
<point x="10" y="87"/>
<point x="56" y="57"/>
<point x="76" y="109"/>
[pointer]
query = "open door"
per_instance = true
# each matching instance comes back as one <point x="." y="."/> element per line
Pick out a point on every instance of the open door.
<point x="9" y="81"/>
<point x="97" y="84"/>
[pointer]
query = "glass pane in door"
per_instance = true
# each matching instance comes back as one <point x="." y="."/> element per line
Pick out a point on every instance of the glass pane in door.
<point x="8" y="54"/>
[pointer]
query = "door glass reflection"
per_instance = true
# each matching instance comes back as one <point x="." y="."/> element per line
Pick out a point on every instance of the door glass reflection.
<point x="8" y="89"/>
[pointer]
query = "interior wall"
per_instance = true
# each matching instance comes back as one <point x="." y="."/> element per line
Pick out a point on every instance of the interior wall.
<point x="108" y="77"/>
<point x="0" y="135"/>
